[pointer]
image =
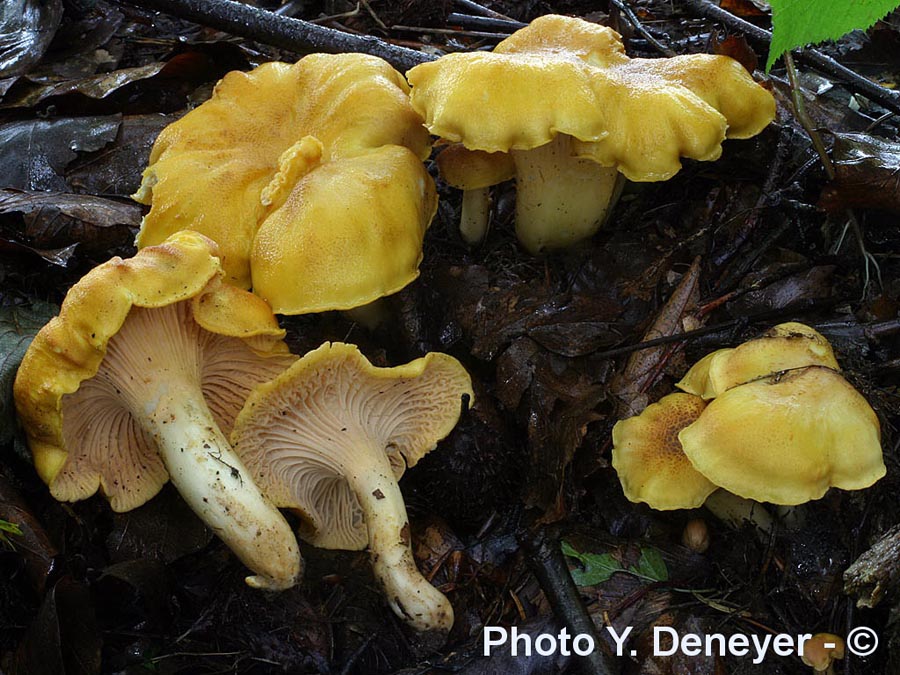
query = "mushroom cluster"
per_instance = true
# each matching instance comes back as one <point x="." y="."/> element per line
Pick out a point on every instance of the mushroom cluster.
<point x="575" y="114"/>
<point x="154" y="361"/>
<point x="772" y="420"/>
<point x="308" y="176"/>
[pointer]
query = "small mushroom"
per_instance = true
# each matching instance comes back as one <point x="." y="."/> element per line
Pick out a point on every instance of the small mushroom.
<point x="138" y="381"/>
<point x="821" y="651"/>
<point x="309" y="176"/>
<point x="787" y="438"/>
<point x="474" y="172"/>
<point x="649" y="460"/>
<point x="575" y="112"/>
<point x="695" y="535"/>
<point x="783" y="347"/>
<point x="331" y="436"/>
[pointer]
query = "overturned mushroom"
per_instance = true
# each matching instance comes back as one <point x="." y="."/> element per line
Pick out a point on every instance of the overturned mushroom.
<point x="138" y="380"/>
<point x="331" y="436"/>
<point x="575" y="112"/>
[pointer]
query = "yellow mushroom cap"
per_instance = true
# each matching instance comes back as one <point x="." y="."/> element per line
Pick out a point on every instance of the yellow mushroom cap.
<point x="226" y="165"/>
<point x="649" y="460"/>
<point x="474" y="169"/>
<point x="562" y="75"/>
<point x="819" y="656"/>
<point x="69" y="351"/>
<point x="346" y="234"/>
<point x="787" y="438"/>
<point x="784" y="347"/>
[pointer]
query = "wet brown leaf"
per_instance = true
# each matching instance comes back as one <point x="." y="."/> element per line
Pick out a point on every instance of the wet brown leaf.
<point x="34" y="153"/>
<point x="33" y="544"/>
<point x="744" y="7"/>
<point x="163" y="529"/>
<point x="867" y="174"/>
<point x="26" y="29"/>
<point x="737" y="47"/>
<point x="645" y="365"/>
<point x="561" y="402"/>
<point x="57" y="219"/>
<point x="115" y="169"/>
<point x="63" y="638"/>
<point x="798" y="289"/>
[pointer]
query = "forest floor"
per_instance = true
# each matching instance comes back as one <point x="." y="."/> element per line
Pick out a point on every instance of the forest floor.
<point x="758" y="237"/>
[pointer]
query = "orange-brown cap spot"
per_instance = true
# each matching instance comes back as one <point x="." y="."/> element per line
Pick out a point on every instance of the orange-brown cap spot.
<point x="649" y="460"/>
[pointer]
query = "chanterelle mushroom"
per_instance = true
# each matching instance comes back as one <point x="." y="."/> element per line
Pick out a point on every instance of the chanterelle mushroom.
<point x="308" y="175"/>
<point x="787" y="438"/>
<point x="138" y="380"/>
<point x="331" y="436"/>
<point x="562" y="96"/>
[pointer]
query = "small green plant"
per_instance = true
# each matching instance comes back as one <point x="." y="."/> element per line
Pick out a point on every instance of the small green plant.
<point x="598" y="567"/>
<point x="796" y="23"/>
<point x="7" y="528"/>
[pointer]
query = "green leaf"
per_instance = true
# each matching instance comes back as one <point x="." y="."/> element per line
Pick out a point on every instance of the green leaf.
<point x="651" y="565"/>
<point x="7" y="527"/>
<point x="597" y="568"/>
<point x="796" y="23"/>
<point x="18" y="326"/>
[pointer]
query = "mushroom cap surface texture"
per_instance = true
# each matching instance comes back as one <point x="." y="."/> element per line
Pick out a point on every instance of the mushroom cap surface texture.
<point x="302" y="434"/>
<point x="787" y="438"/>
<point x="783" y="347"/>
<point x="649" y="460"/>
<point x="287" y="165"/>
<point x="79" y="431"/>
<point x="562" y="75"/>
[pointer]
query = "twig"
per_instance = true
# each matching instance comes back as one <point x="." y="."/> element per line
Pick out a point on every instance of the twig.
<point x="282" y="31"/>
<point x="480" y="9"/>
<point x="469" y="21"/>
<point x="639" y="27"/>
<point x="549" y="566"/>
<point x="811" y="57"/>
<point x="451" y="31"/>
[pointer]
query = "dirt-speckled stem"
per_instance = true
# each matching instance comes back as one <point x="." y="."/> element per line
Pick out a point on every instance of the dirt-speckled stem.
<point x="213" y="481"/>
<point x="409" y="594"/>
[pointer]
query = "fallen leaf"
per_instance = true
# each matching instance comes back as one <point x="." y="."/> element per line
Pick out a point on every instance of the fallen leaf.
<point x="867" y="174"/>
<point x="31" y="541"/>
<point x="26" y="29"/>
<point x="63" y="638"/>
<point x="34" y="153"/>
<point x="116" y="168"/>
<point x="18" y="326"/>
<point x="737" y="47"/>
<point x="57" y="219"/>
<point x="644" y="365"/>
<point x="164" y="529"/>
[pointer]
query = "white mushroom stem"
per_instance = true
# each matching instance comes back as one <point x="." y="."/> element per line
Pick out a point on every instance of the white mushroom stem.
<point x="216" y="485"/>
<point x="474" y="215"/>
<point x="371" y="315"/>
<point x="409" y="594"/>
<point x="734" y="511"/>
<point x="560" y="199"/>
